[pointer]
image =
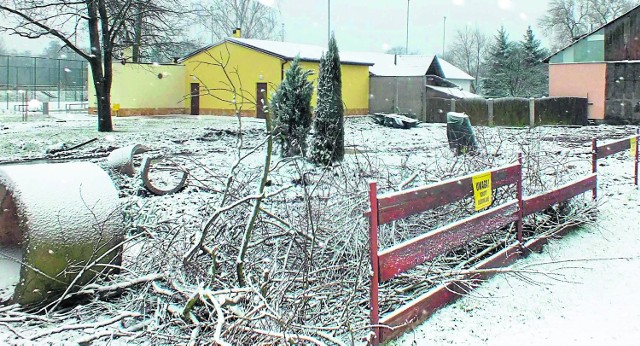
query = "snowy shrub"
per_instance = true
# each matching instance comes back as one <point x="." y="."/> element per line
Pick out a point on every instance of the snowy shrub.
<point x="291" y="110"/>
<point x="328" y="144"/>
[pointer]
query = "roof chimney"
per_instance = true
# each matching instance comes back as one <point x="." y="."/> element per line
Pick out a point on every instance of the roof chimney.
<point x="237" y="33"/>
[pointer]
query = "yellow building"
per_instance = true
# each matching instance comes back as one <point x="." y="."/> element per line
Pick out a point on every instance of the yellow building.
<point x="254" y="69"/>
<point x="144" y="89"/>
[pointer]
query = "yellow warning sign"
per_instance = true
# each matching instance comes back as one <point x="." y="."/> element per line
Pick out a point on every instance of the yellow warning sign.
<point x="482" y="192"/>
<point x="634" y="146"/>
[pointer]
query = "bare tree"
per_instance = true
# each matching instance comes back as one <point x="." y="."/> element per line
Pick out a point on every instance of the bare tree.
<point x="55" y="50"/>
<point x="603" y="11"/>
<point x="469" y="51"/>
<point x="399" y="50"/>
<point x="103" y="20"/>
<point x="220" y="17"/>
<point x="155" y="30"/>
<point x="568" y="20"/>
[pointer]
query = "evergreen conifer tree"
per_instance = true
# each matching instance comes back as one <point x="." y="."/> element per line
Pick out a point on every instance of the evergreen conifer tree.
<point x="496" y="84"/>
<point x="533" y="52"/>
<point x="291" y="110"/>
<point x="328" y="144"/>
<point x="535" y="72"/>
<point x="516" y="68"/>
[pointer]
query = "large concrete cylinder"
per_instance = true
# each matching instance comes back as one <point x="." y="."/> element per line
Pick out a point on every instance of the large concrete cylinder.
<point x="58" y="219"/>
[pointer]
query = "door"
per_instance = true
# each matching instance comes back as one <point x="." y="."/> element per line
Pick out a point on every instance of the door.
<point x="261" y="100"/>
<point x="195" y="98"/>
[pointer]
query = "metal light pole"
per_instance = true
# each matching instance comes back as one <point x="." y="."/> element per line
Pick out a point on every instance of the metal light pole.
<point x="328" y="21"/>
<point x="444" y="34"/>
<point x="406" y="49"/>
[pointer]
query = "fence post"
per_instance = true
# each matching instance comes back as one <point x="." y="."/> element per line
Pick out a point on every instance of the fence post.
<point x="490" y="111"/>
<point x="35" y="77"/>
<point x="636" y="158"/>
<point x="25" y="106"/>
<point x="520" y="201"/>
<point x="532" y="112"/>
<point x="59" y="85"/>
<point x="453" y="105"/>
<point x="82" y="70"/>
<point x="373" y="256"/>
<point x="594" y="165"/>
<point x="8" y="83"/>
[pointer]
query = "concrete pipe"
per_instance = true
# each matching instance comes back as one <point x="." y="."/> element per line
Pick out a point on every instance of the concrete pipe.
<point x="60" y="225"/>
<point x="122" y="159"/>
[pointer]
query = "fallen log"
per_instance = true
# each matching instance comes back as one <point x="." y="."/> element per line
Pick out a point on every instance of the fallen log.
<point x="64" y="220"/>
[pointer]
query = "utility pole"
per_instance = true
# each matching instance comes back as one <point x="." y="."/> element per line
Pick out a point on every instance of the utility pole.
<point x="406" y="49"/>
<point x="444" y="34"/>
<point x="282" y="32"/>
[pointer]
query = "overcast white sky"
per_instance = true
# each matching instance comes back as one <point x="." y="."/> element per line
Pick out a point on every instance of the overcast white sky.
<point x="375" y="25"/>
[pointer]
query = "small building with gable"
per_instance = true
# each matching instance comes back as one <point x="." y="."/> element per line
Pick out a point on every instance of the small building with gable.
<point x="255" y="68"/>
<point x="405" y="83"/>
<point x="603" y="66"/>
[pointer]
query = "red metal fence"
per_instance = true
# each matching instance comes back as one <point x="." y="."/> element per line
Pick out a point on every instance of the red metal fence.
<point x="389" y="263"/>
<point x="606" y="150"/>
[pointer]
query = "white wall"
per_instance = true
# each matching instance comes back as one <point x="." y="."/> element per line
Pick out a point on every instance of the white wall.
<point x="463" y="83"/>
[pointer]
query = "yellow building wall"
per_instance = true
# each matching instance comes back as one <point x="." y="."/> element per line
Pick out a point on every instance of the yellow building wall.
<point x="355" y="89"/>
<point x="355" y="86"/>
<point x="245" y="67"/>
<point x="139" y="90"/>
<point x="255" y="67"/>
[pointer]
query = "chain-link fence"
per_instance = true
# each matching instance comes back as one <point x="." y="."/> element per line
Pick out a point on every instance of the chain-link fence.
<point x="59" y="82"/>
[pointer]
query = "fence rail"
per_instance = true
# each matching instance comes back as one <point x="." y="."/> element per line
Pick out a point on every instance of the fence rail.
<point x="389" y="263"/>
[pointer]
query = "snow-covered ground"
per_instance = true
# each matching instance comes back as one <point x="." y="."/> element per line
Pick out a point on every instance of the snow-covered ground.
<point x="164" y="227"/>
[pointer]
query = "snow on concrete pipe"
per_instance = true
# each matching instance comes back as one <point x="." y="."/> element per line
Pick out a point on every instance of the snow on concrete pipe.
<point x="122" y="159"/>
<point x="56" y="220"/>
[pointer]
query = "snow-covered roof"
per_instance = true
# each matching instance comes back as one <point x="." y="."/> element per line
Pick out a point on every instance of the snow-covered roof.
<point x="382" y="64"/>
<point x="392" y="70"/>
<point x="372" y="57"/>
<point x="455" y="92"/>
<point x="389" y="65"/>
<point x="452" y="72"/>
<point x="287" y="50"/>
